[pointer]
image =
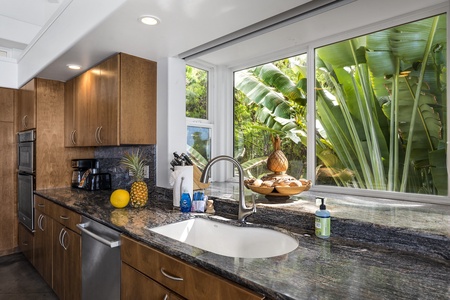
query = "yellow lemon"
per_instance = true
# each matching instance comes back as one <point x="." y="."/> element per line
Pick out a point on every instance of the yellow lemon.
<point x="120" y="198"/>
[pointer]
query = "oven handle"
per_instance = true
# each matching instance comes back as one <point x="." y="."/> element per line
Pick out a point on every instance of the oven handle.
<point x="83" y="227"/>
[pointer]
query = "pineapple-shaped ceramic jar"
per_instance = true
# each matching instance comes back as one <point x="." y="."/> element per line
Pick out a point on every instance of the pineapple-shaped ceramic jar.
<point x="277" y="161"/>
<point x="135" y="163"/>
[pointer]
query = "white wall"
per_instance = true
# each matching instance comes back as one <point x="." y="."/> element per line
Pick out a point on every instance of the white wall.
<point x="171" y="115"/>
<point x="8" y="73"/>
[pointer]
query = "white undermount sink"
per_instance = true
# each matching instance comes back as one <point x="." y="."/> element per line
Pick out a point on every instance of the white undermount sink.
<point x="229" y="240"/>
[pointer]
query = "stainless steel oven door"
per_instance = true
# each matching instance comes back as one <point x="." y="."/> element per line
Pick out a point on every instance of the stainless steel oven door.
<point x="25" y="199"/>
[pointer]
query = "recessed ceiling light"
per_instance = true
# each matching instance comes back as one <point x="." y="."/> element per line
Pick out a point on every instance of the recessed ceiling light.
<point x="74" y="67"/>
<point x="149" y="20"/>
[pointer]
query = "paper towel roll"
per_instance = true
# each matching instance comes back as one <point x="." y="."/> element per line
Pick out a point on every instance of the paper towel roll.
<point x="184" y="179"/>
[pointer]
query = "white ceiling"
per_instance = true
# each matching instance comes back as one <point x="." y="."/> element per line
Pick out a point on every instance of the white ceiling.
<point x="43" y="36"/>
<point x="184" y="25"/>
<point x="21" y="20"/>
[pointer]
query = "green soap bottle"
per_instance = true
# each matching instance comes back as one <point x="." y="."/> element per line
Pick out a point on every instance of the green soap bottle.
<point x="323" y="221"/>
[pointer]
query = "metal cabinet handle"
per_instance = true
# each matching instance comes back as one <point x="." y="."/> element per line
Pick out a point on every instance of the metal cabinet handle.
<point x="41" y="204"/>
<point x="60" y="235"/>
<point x="63" y="240"/>
<point x="42" y="222"/>
<point x="24" y="122"/>
<point x="84" y="229"/>
<point x="64" y="218"/>
<point x="99" y="135"/>
<point x="40" y="219"/>
<point x="170" y="276"/>
<point x="26" y="244"/>
<point x="72" y="137"/>
<point x="166" y="297"/>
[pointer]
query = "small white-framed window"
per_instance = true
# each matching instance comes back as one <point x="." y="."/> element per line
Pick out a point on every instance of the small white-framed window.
<point x="199" y="123"/>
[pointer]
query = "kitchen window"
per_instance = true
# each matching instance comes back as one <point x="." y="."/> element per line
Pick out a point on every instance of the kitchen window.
<point x="199" y="125"/>
<point x="379" y="110"/>
<point x="269" y="101"/>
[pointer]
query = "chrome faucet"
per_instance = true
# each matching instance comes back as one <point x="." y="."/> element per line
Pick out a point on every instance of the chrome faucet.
<point x="244" y="211"/>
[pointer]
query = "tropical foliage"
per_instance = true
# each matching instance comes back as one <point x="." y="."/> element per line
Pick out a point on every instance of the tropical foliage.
<point x="380" y="106"/>
<point x="196" y="93"/>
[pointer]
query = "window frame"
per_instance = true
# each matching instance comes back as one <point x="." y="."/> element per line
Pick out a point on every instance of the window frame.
<point x="309" y="48"/>
<point x="208" y="122"/>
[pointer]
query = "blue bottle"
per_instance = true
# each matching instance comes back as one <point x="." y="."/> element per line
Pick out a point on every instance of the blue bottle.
<point x="185" y="202"/>
<point x="323" y="221"/>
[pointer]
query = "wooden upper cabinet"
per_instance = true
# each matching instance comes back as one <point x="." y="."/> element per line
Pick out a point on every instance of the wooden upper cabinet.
<point x="26" y="106"/>
<point x="7" y="99"/>
<point x="113" y="103"/>
<point x="105" y="108"/>
<point x="138" y="100"/>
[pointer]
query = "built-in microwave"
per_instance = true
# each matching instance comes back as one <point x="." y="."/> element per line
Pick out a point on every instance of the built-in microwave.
<point x="26" y="151"/>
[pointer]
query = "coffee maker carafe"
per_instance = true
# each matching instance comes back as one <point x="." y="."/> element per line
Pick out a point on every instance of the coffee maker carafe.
<point x="83" y="167"/>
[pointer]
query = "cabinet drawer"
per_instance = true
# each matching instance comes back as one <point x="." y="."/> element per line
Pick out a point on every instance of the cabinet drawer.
<point x="65" y="216"/>
<point x="135" y="285"/>
<point x="188" y="281"/>
<point x="26" y="242"/>
<point x="42" y="204"/>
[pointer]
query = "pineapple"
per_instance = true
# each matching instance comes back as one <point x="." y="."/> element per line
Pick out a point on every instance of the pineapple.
<point x="139" y="191"/>
<point x="277" y="161"/>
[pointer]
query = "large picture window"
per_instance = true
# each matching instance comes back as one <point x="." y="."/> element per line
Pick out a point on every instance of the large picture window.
<point x="381" y="110"/>
<point x="380" y="113"/>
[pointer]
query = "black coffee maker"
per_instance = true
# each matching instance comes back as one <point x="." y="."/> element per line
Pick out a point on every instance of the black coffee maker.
<point x="81" y="170"/>
<point x="86" y="175"/>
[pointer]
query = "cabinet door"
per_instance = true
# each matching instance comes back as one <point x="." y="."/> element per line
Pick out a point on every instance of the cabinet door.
<point x="107" y="103"/>
<point x="137" y="100"/>
<point x="26" y="106"/>
<point x="72" y="265"/>
<point x="70" y="130"/>
<point x="83" y="122"/>
<point x="66" y="263"/>
<point x="137" y="286"/>
<point x="43" y="244"/>
<point x="58" y="261"/>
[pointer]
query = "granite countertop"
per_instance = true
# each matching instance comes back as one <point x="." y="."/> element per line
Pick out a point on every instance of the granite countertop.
<point x="342" y="267"/>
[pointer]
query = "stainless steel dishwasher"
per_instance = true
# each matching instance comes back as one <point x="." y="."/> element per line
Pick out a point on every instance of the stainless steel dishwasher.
<point x="100" y="256"/>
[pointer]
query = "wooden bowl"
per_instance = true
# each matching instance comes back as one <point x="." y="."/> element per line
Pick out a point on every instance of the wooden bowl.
<point x="290" y="190"/>
<point x="264" y="190"/>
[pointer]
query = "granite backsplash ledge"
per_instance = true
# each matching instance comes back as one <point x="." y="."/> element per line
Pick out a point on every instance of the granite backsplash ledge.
<point x="371" y="225"/>
<point x="109" y="160"/>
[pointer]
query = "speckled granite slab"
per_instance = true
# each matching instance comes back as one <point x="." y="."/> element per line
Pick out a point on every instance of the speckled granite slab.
<point x="337" y="268"/>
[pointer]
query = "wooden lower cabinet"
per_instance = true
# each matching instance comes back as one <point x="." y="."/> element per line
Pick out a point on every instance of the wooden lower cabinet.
<point x="137" y="286"/>
<point x="26" y="242"/>
<point x="66" y="263"/>
<point x="177" y="276"/>
<point x="57" y="248"/>
<point x="43" y="237"/>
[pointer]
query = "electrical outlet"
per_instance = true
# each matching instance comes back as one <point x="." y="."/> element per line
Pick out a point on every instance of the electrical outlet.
<point x="146" y="172"/>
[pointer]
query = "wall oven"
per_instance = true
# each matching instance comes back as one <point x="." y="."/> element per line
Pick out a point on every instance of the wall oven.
<point x="26" y="149"/>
